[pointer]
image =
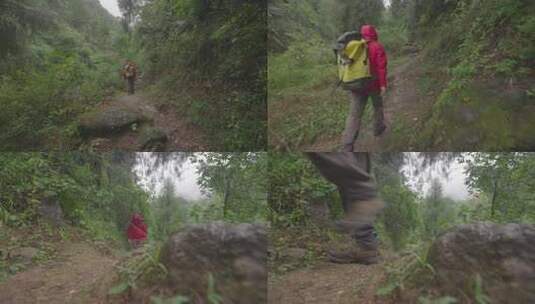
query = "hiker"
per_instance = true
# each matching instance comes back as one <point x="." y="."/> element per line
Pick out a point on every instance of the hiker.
<point x="374" y="88"/>
<point x="350" y="172"/>
<point x="130" y="75"/>
<point x="137" y="231"/>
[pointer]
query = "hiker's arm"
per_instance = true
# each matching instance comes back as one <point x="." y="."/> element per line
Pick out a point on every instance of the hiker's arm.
<point x="382" y="63"/>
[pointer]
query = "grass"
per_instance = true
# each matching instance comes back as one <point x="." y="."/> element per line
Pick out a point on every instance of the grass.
<point x="41" y="237"/>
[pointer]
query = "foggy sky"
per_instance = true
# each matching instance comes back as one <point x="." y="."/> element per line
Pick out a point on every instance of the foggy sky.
<point x="453" y="183"/>
<point x="111" y="6"/>
<point x="185" y="185"/>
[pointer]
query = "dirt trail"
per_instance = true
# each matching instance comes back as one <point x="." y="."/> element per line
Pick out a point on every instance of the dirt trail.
<point x="327" y="283"/>
<point x="402" y="105"/>
<point x="181" y="134"/>
<point x="74" y="276"/>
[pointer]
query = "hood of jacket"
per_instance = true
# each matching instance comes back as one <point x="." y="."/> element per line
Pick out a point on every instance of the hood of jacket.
<point x="369" y="33"/>
<point x="137" y="220"/>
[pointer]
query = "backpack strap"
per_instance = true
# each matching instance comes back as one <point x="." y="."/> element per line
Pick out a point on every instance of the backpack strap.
<point x="367" y="55"/>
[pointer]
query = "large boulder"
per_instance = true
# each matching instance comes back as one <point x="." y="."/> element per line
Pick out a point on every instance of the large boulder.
<point x="502" y="255"/>
<point x="234" y="255"/>
<point x="109" y="120"/>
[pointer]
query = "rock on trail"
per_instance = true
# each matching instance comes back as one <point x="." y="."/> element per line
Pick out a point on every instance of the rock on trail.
<point x="234" y="254"/>
<point x="116" y="116"/>
<point x="127" y="123"/>
<point x="134" y="123"/>
<point x="503" y="256"/>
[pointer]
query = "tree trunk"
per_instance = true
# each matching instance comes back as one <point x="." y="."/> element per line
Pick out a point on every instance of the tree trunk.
<point x="493" y="202"/>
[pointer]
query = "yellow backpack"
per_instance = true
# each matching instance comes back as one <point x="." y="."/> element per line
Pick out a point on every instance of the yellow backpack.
<point x="129" y="70"/>
<point x="353" y="63"/>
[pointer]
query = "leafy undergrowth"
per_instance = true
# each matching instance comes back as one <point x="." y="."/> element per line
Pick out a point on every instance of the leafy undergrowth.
<point x="410" y="278"/>
<point x="482" y="115"/>
<point x="237" y="128"/>
<point x="212" y="66"/>
<point x="139" y="270"/>
<point x="488" y="99"/>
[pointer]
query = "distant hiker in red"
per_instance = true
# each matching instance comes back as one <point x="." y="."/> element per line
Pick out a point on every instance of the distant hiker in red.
<point x="137" y="231"/>
<point x="376" y="90"/>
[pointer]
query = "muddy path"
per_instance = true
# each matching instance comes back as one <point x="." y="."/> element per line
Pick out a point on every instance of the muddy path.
<point x="79" y="274"/>
<point x="327" y="283"/>
<point x="138" y="123"/>
<point x="306" y="276"/>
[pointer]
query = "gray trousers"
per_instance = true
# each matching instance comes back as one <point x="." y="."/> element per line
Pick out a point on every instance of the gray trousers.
<point x="131" y="85"/>
<point x="356" y="110"/>
<point x="351" y="173"/>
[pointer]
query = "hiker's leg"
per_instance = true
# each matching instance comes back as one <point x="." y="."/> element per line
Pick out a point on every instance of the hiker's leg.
<point x="378" y="108"/>
<point x="356" y="109"/>
<point x="130" y="85"/>
<point x="350" y="172"/>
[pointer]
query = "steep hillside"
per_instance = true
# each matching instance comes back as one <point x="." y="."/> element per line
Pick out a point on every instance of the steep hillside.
<point x="58" y="62"/>
<point x="487" y="50"/>
<point x="208" y="60"/>
<point x="201" y="68"/>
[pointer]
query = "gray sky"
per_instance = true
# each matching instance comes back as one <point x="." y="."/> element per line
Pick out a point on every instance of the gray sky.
<point x="111" y="6"/>
<point x="453" y="182"/>
<point x="185" y="184"/>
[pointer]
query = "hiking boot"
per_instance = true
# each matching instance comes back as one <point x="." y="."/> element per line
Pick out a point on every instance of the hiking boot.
<point x="354" y="253"/>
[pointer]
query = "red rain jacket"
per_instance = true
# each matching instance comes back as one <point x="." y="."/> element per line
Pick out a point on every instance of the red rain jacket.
<point x="137" y="230"/>
<point x="378" y="60"/>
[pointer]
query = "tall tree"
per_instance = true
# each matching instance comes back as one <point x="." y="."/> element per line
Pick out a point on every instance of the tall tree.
<point x="130" y="10"/>
<point x="169" y="210"/>
<point x="239" y="179"/>
<point x="506" y="180"/>
<point x="351" y="15"/>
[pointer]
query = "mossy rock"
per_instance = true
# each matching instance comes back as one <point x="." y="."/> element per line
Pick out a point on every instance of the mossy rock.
<point x="152" y="139"/>
<point x="110" y="120"/>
